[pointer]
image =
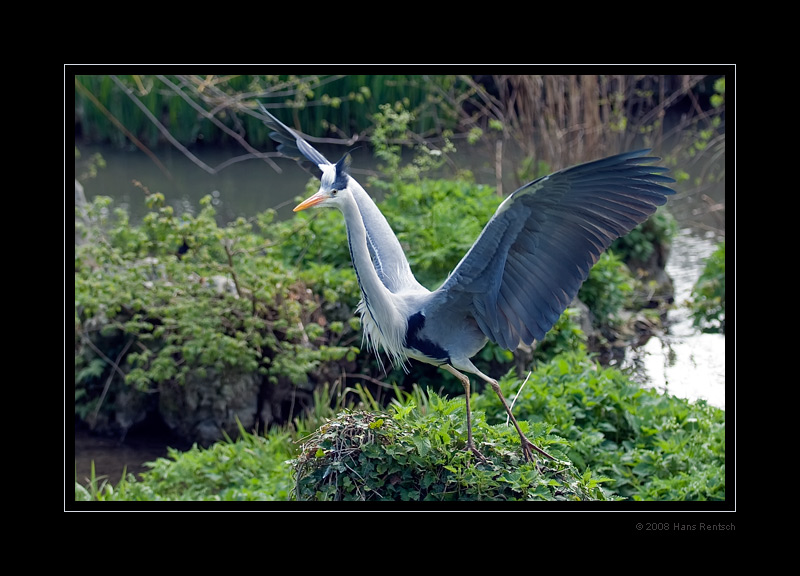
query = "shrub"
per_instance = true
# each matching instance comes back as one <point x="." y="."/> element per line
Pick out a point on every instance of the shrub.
<point x="650" y="446"/>
<point x="253" y="467"/>
<point x="416" y="454"/>
<point x="614" y="440"/>
<point x="181" y="297"/>
<point x="707" y="302"/>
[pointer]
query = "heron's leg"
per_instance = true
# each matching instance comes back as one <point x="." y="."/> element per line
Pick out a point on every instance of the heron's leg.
<point x="465" y="382"/>
<point x="526" y="444"/>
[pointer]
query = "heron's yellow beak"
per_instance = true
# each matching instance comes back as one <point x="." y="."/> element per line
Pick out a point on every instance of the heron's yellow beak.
<point x="311" y="201"/>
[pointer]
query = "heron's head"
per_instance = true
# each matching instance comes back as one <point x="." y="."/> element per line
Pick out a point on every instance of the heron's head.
<point x="334" y="185"/>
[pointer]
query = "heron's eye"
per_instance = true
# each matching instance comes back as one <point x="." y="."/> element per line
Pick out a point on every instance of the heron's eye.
<point x="334" y="193"/>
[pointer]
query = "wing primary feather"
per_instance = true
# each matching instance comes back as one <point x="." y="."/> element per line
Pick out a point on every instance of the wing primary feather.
<point x="533" y="255"/>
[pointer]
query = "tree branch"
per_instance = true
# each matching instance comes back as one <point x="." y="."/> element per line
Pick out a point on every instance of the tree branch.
<point x="161" y="127"/>
<point x="82" y="89"/>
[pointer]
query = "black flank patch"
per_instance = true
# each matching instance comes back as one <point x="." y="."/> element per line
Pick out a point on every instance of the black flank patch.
<point x="415" y="324"/>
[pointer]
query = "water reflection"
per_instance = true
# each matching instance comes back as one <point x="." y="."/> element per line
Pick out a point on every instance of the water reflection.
<point x="684" y="362"/>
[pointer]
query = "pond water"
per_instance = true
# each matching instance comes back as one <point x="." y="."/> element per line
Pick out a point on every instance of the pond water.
<point x="682" y="362"/>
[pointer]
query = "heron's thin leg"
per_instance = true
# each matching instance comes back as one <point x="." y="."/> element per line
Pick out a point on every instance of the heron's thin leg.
<point x="465" y="382"/>
<point x="526" y="444"/>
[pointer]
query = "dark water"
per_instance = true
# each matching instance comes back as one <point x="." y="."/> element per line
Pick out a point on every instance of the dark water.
<point x="681" y="362"/>
<point x="112" y="456"/>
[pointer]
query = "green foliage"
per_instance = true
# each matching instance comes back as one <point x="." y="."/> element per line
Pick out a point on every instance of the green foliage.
<point x="98" y="487"/>
<point x="391" y="128"/>
<point x="608" y="288"/>
<point x="650" y="446"/>
<point x="638" y="246"/>
<point x="87" y="169"/>
<point x="622" y="441"/>
<point x="322" y="105"/>
<point x="229" y="304"/>
<point x="718" y="98"/>
<point x="565" y="336"/>
<point x="707" y="302"/>
<point x="418" y="455"/>
<point x="251" y="468"/>
<point x="703" y="138"/>
<point x="437" y="221"/>
<point x="391" y="123"/>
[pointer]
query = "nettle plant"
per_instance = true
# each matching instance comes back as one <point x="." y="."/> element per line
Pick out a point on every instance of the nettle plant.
<point x="415" y="452"/>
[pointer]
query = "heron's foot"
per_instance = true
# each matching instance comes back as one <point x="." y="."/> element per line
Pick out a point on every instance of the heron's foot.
<point x="475" y="452"/>
<point x="528" y="447"/>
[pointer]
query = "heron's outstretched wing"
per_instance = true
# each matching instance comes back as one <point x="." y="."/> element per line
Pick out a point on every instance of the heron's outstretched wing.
<point x="292" y="145"/>
<point x="536" y="251"/>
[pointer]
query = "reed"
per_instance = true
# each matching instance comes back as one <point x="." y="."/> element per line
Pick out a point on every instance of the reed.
<point x="557" y="119"/>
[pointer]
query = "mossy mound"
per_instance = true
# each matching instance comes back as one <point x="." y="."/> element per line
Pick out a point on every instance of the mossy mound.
<point x="419" y="455"/>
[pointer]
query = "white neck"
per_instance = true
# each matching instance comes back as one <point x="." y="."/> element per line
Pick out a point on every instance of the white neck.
<point x="384" y="248"/>
<point x="384" y="325"/>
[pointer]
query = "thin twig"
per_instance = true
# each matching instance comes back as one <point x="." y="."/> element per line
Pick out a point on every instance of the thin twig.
<point x="226" y="247"/>
<point x="116" y="368"/>
<point x="82" y="89"/>
<point x="368" y="379"/>
<point x="517" y="395"/>
<point x="214" y="120"/>
<point x="161" y="128"/>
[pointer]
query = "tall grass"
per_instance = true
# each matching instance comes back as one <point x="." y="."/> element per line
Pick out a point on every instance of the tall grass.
<point x="559" y="119"/>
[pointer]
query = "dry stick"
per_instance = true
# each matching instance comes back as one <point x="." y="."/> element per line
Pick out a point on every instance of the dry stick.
<point x="161" y="127"/>
<point x="82" y="89"/>
<point x="368" y="379"/>
<point x="516" y="396"/>
<point x="214" y="120"/>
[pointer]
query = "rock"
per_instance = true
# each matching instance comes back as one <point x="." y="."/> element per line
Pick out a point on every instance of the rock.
<point x="205" y="406"/>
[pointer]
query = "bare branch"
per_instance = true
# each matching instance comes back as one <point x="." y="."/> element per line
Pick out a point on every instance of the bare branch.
<point x="161" y="127"/>
<point x="213" y="119"/>
<point x="116" y="369"/>
<point x="124" y="130"/>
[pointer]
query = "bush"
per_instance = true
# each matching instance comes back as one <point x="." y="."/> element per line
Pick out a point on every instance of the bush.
<point x="251" y="468"/>
<point x="418" y="454"/>
<point x="180" y="300"/>
<point x="707" y="301"/>
<point x="613" y="439"/>
<point x="607" y="289"/>
<point x="650" y="446"/>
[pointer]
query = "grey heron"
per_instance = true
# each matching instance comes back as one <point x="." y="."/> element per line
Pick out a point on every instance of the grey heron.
<point x="514" y="282"/>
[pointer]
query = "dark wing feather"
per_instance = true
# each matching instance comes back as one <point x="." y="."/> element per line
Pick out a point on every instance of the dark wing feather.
<point x="536" y="251"/>
<point x="292" y="145"/>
